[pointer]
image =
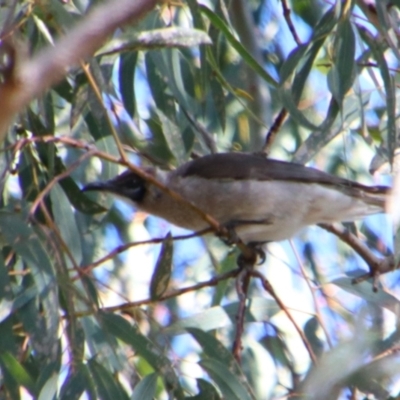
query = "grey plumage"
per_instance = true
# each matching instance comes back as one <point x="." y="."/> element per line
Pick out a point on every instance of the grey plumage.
<point x="263" y="199"/>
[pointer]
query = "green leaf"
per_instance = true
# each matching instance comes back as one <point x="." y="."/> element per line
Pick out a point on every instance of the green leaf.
<point x="126" y="78"/>
<point x="390" y="89"/>
<point x="76" y="383"/>
<point x="304" y="69"/>
<point x="61" y="15"/>
<point x="107" y="386"/>
<point x="64" y="90"/>
<point x="6" y="295"/>
<point x="102" y="344"/>
<point x="24" y="240"/>
<point x="218" y="96"/>
<point x="331" y="373"/>
<point x="206" y="391"/>
<point x="146" y="388"/>
<point x="129" y="334"/>
<point x="291" y="63"/>
<point x="214" y="349"/>
<point x="250" y="60"/>
<point x="277" y="347"/>
<point x="289" y="103"/>
<point x="49" y="390"/>
<point x="227" y="382"/>
<point x="173" y="137"/>
<point x="333" y="125"/>
<point x="327" y="22"/>
<point x="27" y="295"/>
<point x="258" y="309"/>
<point x="159" y="83"/>
<point x="156" y="39"/>
<point x="342" y="74"/>
<point x="364" y="290"/>
<point x="8" y="340"/>
<point x="78" y="199"/>
<point x="162" y="271"/>
<point x="172" y="68"/>
<point x="158" y="146"/>
<point x="311" y="332"/>
<point x="65" y="221"/>
<point x="17" y="371"/>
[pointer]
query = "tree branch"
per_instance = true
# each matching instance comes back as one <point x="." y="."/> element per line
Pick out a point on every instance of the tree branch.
<point x="27" y="78"/>
<point x="376" y="264"/>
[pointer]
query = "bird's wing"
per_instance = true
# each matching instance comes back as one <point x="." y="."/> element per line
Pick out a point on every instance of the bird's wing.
<point x="242" y="166"/>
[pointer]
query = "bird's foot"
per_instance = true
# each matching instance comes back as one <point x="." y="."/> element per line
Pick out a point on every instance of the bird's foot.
<point x="255" y="256"/>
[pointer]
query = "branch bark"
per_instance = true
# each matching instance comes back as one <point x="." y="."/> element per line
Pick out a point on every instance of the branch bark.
<point x="30" y="77"/>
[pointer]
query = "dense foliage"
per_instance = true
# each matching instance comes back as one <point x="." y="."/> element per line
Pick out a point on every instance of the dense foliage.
<point x="100" y="301"/>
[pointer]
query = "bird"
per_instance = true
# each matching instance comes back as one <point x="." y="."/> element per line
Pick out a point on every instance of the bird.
<point x="262" y="199"/>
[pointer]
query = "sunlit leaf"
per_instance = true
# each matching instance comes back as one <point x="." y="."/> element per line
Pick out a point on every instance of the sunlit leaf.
<point x="146" y="388"/>
<point x="364" y="291"/>
<point x="342" y="73"/>
<point x="258" y="309"/>
<point x="17" y="371"/>
<point x="157" y="39"/>
<point x="162" y="270"/>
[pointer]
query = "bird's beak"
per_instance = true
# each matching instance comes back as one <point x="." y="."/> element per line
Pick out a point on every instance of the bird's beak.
<point x="127" y="185"/>
<point x="99" y="186"/>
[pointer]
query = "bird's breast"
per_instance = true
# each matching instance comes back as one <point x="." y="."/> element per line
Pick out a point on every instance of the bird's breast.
<point x="260" y="211"/>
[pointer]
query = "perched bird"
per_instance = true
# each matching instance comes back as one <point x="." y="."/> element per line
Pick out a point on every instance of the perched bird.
<point x="262" y="199"/>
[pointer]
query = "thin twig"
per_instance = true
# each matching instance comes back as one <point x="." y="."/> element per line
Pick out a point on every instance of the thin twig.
<point x="286" y="14"/>
<point x="268" y="287"/>
<point x="242" y="288"/>
<point x="211" y="282"/>
<point x="120" y="249"/>
<point x="376" y="264"/>
<point x="312" y="291"/>
<point x="96" y="90"/>
<point x="273" y="131"/>
<point x="56" y="179"/>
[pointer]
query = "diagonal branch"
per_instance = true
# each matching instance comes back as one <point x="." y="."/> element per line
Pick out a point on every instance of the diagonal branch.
<point x="377" y="265"/>
<point x="30" y="77"/>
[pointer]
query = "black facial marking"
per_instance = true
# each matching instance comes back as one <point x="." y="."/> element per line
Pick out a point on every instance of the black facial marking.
<point x="128" y="184"/>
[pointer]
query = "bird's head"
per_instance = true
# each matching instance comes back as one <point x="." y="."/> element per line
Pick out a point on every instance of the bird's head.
<point x="128" y="185"/>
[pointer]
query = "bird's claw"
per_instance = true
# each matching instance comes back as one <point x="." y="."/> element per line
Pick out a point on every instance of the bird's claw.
<point x="257" y="254"/>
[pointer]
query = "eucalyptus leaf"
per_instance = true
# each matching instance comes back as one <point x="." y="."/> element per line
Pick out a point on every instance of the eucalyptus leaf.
<point x="156" y="39"/>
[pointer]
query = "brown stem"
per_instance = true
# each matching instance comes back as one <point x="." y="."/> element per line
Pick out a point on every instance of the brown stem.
<point x="376" y="264"/>
<point x="268" y="287"/>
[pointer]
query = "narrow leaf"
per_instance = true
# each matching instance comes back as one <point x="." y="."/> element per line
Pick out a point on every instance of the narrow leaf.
<point x="146" y="388"/>
<point x="17" y="371"/>
<point x="126" y="78"/>
<point x="230" y="387"/>
<point x="107" y="386"/>
<point x="250" y="60"/>
<point x="156" y="39"/>
<point x="162" y="271"/>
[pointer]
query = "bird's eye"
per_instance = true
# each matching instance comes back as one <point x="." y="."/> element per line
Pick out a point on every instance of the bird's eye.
<point x="133" y="187"/>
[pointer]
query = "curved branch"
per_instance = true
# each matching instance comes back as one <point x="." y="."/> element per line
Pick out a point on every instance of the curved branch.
<point x="377" y="265"/>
